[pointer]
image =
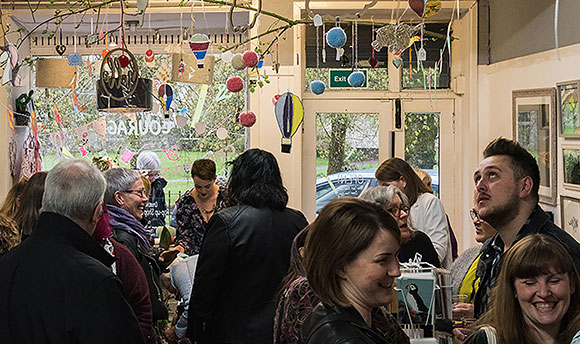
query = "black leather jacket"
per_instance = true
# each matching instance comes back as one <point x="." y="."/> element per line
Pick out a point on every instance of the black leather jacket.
<point x="244" y="256"/>
<point x="335" y="324"/>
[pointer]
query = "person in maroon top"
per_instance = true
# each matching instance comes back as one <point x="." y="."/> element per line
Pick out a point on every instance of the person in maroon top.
<point x="126" y="267"/>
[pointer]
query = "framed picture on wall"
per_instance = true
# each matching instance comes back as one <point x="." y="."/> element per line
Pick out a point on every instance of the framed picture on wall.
<point x="534" y="127"/>
<point x="570" y="216"/>
<point x="571" y="166"/>
<point x="568" y="111"/>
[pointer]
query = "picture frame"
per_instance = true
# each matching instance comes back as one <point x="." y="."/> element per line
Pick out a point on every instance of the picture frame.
<point x="534" y="127"/>
<point x="570" y="208"/>
<point x="568" y="109"/>
<point x="571" y="167"/>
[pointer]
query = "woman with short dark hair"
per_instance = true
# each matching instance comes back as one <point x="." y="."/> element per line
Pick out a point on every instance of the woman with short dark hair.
<point x="351" y="263"/>
<point x="244" y="256"/>
<point x="196" y="207"/>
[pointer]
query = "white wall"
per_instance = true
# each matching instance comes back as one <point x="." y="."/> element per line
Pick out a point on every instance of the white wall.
<point x="497" y="81"/>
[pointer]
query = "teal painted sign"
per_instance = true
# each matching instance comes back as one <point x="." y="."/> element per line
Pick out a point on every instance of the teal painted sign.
<point x="339" y="78"/>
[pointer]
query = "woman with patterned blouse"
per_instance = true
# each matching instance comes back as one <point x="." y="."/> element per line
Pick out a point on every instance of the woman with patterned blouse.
<point x="196" y="207"/>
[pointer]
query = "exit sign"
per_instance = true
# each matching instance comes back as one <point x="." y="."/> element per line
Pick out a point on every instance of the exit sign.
<point x="339" y="78"/>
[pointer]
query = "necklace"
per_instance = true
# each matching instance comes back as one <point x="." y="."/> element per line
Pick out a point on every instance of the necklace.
<point x="205" y="211"/>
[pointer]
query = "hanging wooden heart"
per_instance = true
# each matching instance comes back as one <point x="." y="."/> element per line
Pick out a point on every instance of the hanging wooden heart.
<point x="60" y="49"/>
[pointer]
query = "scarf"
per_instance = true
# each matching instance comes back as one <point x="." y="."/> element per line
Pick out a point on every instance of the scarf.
<point x="123" y="219"/>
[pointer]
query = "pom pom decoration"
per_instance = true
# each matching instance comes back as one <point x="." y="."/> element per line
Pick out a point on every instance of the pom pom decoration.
<point x="235" y="84"/>
<point x="238" y="62"/>
<point x="250" y="59"/>
<point x="335" y="37"/>
<point x="356" y="79"/>
<point x="227" y="56"/>
<point x="317" y="87"/>
<point x="247" y="118"/>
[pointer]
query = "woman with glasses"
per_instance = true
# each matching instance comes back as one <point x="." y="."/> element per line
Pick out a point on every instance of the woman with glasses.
<point x="463" y="271"/>
<point x="413" y="243"/>
<point x="126" y="198"/>
<point x="426" y="210"/>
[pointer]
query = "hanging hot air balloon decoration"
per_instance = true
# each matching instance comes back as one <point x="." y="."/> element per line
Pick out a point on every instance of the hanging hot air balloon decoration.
<point x="289" y="113"/>
<point x="166" y="96"/>
<point x="199" y="43"/>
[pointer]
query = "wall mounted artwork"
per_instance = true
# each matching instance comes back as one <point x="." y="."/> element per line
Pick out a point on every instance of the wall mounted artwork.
<point x="534" y="127"/>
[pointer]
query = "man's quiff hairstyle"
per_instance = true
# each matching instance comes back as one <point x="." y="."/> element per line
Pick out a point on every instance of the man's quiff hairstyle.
<point x="73" y="188"/>
<point x="522" y="162"/>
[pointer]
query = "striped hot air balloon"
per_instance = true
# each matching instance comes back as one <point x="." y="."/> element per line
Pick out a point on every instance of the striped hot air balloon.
<point x="289" y="113"/>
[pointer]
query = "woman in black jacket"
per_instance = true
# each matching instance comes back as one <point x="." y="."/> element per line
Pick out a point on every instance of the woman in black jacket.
<point x="244" y="256"/>
<point x="351" y="263"/>
<point x="125" y="197"/>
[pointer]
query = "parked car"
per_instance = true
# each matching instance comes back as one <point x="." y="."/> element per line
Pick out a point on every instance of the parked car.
<point x="353" y="183"/>
<point x="348" y="183"/>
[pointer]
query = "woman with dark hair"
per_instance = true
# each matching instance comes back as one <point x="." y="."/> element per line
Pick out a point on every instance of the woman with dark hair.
<point x="427" y="210"/>
<point x="196" y="207"/>
<point x="295" y="299"/>
<point x="244" y="256"/>
<point x="351" y="263"/>
<point x="30" y="203"/>
<point x="536" y="298"/>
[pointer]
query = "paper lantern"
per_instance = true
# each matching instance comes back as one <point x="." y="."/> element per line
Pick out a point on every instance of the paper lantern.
<point x="55" y="73"/>
<point x="335" y="37"/>
<point x="235" y="84"/>
<point x="250" y="59"/>
<point x="247" y="118"/>
<point x="317" y="87"/>
<point x="191" y="72"/>
<point x="356" y="79"/>
<point x="289" y="114"/>
<point x="199" y="43"/>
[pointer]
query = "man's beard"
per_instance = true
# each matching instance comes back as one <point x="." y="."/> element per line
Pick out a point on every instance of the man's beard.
<point x="499" y="216"/>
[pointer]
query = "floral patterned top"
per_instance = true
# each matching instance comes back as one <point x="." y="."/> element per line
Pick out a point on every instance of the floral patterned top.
<point x="191" y="225"/>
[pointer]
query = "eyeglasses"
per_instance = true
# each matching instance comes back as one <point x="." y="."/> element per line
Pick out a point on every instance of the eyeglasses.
<point x="396" y="211"/>
<point x="140" y="193"/>
<point x="474" y="215"/>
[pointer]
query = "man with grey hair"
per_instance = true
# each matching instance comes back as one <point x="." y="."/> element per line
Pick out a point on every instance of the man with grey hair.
<point x="56" y="287"/>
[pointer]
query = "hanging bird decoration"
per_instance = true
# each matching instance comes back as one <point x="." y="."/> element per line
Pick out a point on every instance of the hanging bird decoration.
<point x="395" y="37"/>
<point x="9" y="57"/>
<point x="199" y="43"/>
<point x="289" y="114"/>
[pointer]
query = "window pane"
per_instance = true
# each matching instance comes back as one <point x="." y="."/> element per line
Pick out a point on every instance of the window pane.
<point x="422" y="144"/>
<point x="347" y="152"/>
<point x="427" y="77"/>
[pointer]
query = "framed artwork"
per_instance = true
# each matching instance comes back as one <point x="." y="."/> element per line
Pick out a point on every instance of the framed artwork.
<point x="534" y="118"/>
<point x="570" y="216"/>
<point x="568" y="112"/>
<point x="571" y="167"/>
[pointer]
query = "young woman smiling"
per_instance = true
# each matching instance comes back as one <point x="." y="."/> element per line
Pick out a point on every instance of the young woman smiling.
<point x="536" y="297"/>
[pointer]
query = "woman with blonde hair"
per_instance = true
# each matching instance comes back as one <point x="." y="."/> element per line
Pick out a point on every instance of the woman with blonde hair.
<point x="12" y="200"/>
<point x="535" y="299"/>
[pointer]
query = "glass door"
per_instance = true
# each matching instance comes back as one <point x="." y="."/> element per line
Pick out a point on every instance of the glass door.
<point x="344" y="142"/>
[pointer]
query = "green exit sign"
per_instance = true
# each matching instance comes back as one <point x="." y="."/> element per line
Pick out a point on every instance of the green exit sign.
<point x="339" y="78"/>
